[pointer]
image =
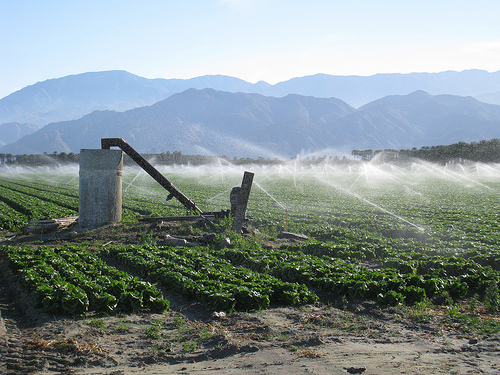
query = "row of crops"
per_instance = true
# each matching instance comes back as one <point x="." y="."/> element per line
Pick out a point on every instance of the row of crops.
<point x="208" y="278"/>
<point x="400" y="238"/>
<point x="24" y="200"/>
<point x="73" y="281"/>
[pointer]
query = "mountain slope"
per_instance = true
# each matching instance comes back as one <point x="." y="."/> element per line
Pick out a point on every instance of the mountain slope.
<point x="206" y="121"/>
<point x="74" y="96"/>
<point x="420" y="119"/>
<point x="13" y="131"/>
<point x="490" y="97"/>
<point x="215" y="122"/>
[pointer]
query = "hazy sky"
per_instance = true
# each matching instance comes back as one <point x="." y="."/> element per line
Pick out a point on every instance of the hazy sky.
<point x="270" y="40"/>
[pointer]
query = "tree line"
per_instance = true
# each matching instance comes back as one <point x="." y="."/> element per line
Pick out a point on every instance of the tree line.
<point x="486" y="151"/>
<point x="39" y="159"/>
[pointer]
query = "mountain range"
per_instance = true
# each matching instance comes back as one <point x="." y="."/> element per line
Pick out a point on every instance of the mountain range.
<point x="210" y="121"/>
<point x="71" y="97"/>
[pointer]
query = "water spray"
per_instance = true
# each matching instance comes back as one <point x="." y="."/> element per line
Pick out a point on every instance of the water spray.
<point x="131" y="182"/>
<point x="421" y="229"/>
<point x="277" y="202"/>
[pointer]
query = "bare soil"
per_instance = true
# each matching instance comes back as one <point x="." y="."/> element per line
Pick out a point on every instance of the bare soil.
<point x="333" y="338"/>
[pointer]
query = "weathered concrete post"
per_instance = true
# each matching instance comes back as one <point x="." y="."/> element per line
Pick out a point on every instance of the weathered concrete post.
<point x="233" y="199"/>
<point x="100" y="191"/>
<point x="241" y="205"/>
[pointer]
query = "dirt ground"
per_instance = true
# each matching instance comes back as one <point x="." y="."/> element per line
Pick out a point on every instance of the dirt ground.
<point x="334" y="338"/>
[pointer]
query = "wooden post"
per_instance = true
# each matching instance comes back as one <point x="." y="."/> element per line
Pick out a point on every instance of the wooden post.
<point x="241" y="207"/>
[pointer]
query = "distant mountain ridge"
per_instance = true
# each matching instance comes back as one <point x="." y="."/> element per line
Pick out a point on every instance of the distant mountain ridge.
<point x="11" y="132"/>
<point x="74" y="96"/>
<point x="360" y="90"/>
<point x="239" y="125"/>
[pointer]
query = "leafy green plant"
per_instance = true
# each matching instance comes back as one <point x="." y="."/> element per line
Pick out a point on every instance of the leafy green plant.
<point x="72" y="281"/>
<point x="421" y="311"/>
<point x="147" y="238"/>
<point x="391" y="298"/>
<point x="153" y="332"/>
<point x="189" y="347"/>
<point x="479" y="326"/>
<point x="206" y="335"/>
<point x="446" y="246"/>
<point x="474" y="303"/>
<point x="121" y="327"/>
<point x="283" y="337"/>
<point x="492" y="297"/>
<point x="196" y="272"/>
<point x="154" y="329"/>
<point x="164" y="346"/>
<point x="96" y="323"/>
<point x="179" y="322"/>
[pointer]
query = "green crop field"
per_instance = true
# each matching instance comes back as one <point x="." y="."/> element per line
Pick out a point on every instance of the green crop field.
<point x="393" y="234"/>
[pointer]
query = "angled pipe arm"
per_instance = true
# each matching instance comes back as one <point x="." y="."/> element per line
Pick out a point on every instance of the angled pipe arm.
<point x="107" y="143"/>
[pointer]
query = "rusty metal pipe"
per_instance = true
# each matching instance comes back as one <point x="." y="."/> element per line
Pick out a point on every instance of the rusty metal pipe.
<point x="107" y="143"/>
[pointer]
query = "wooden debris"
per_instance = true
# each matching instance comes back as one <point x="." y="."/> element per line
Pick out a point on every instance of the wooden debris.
<point x="295" y="236"/>
<point x="178" y="218"/>
<point x="48" y="225"/>
<point x="206" y="218"/>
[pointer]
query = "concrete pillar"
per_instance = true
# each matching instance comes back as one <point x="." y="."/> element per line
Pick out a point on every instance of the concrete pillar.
<point x="100" y="191"/>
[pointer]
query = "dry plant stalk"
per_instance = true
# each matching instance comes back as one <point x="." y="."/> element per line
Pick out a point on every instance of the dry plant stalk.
<point x="68" y="345"/>
<point x="308" y="353"/>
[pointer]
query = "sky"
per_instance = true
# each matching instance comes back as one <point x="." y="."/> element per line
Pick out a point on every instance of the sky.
<point x="269" y="40"/>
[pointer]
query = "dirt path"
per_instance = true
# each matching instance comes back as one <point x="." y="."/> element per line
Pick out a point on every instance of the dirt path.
<point x="192" y="340"/>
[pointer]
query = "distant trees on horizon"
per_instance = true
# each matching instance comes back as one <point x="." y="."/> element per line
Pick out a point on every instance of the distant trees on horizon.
<point x="39" y="159"/>
<point x="485" y="151"/>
